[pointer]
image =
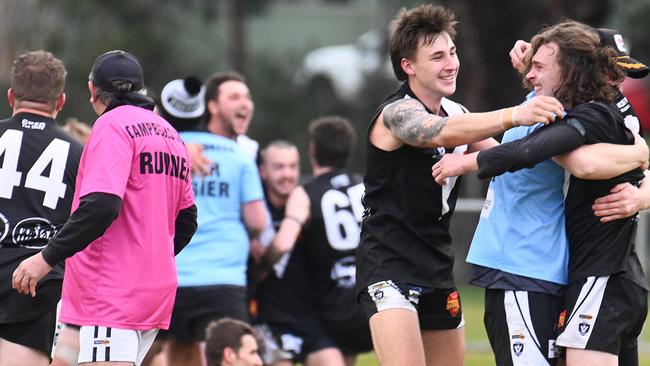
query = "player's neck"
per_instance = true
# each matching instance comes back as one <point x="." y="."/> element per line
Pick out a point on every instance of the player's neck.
<point x="37" y="111"/>
<point x="430" y="99"/>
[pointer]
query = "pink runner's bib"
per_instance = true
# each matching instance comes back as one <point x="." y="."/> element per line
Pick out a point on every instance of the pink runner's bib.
<point x="127" y="277"/>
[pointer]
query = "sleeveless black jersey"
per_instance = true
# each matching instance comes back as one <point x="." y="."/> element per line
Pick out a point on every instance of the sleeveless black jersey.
<point x="596" y="248"/>
<point x="38" y="169"/>
<point x="405" y="228"/>
<point x="328" y="245"/>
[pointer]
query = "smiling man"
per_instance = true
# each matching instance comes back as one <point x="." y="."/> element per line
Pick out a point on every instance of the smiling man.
<point x="212" y="270"/>
<point x="405" y="257"/>
<point x="604" y="273"/>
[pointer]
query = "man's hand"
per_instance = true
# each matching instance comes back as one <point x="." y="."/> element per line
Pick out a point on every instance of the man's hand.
<point x="541" y="108"/>
<point x="453" y="165"/>
<point x="624" y="201"/>
<point x="201" y="165"/>
<point x="518" y="53"/>
<point x="28" y="273"/>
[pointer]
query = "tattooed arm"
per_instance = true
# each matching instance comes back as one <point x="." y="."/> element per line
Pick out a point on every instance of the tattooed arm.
<point x="410" y="123"/>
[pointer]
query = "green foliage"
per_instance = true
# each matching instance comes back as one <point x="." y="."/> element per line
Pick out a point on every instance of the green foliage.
<point x="284" y="111"/>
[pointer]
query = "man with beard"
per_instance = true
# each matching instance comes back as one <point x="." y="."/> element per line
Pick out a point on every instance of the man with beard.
<point x="212" y="269"/>
<point x="314" y="315"/>
<point x="280" y="171"/>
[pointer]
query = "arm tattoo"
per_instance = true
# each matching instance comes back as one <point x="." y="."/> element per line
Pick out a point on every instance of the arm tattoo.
<point x="411" y="123"/>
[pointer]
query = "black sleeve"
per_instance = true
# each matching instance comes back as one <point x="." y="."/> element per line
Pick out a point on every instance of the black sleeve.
<point x="186" y="225"/>
<point x="543" y="143"/>
<point x="94" y="215"/>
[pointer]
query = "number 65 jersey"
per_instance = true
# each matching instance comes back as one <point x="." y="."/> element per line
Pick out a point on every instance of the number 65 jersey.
<point x="329" y="243"/>
<point x="38" y="168"/>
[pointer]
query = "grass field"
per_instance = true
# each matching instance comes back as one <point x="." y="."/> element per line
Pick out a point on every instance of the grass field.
<point x="478" y="348"/>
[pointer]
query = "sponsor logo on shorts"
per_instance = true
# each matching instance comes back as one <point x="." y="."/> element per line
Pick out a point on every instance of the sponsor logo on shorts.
<point x="414" y="295"/>
<point x="562" y="319"/>
<point x="519" y="336"/>
<point x="453" y="304"/>
<point x="518" y="348"/>
<point x="583" y="328"/>
<point x="379" y="294"/>
<point x="585" y="316"/>
<point x="102" y="342"/>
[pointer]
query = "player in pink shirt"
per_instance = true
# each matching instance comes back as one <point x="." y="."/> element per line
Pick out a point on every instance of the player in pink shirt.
<point x="133" y="210"/>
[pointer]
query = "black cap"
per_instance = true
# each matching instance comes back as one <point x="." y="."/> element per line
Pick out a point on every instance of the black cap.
<point x="633" y="68"/>
<point x="116" y="65"/>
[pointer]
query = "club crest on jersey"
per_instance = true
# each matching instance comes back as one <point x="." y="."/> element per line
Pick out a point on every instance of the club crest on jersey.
<point x="379" y="294"/>
<point x="583" y="328"/>
<point x="518" y="348"/>
<point x="562" y="319"/>
<point x="453" y="304"/>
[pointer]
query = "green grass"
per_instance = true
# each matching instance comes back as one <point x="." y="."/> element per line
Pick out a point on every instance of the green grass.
<point x="478" y="348"/>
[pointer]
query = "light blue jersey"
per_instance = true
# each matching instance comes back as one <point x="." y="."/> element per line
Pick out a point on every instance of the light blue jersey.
<point x="218" y="252"/>
<point x="521" y="230"/>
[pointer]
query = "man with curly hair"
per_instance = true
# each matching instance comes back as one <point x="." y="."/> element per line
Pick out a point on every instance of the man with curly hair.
<point x="606" y="297"/>
<point x="404" y="259"/>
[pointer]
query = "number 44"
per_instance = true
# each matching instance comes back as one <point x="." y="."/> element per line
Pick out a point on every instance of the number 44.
<point x="56" y="154"/>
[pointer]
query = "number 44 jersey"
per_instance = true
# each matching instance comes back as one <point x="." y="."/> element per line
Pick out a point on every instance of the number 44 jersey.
<point x="38" y="168"/>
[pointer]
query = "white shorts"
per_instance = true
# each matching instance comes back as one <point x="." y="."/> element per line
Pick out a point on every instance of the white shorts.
<point x="99" y="344"/>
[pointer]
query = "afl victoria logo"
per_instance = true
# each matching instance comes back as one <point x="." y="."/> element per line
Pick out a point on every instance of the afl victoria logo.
<point x="4" y="227"/>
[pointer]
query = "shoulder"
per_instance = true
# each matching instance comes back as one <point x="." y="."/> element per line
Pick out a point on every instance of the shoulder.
<point x="401" y="111"/>
<point x="400" y="106"/>
<point x="593" y="110"/>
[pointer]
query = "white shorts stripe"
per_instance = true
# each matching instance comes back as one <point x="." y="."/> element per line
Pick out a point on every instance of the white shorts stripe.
<point x="581" y="322"/>
<point x="103" y="344"/>
<point x="524" y="344"/>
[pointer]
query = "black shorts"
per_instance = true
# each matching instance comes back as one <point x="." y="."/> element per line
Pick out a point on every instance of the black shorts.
<point x="522" y="326"/>
<point x="437" y="309"/>
<point x="604" y="314"/>
<point x="35" y="333"/>
<point x="297" y="340"/>
<point x="196" y="307"/>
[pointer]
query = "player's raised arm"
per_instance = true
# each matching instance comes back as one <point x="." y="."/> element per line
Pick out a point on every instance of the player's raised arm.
<point x="409" y="122"/>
